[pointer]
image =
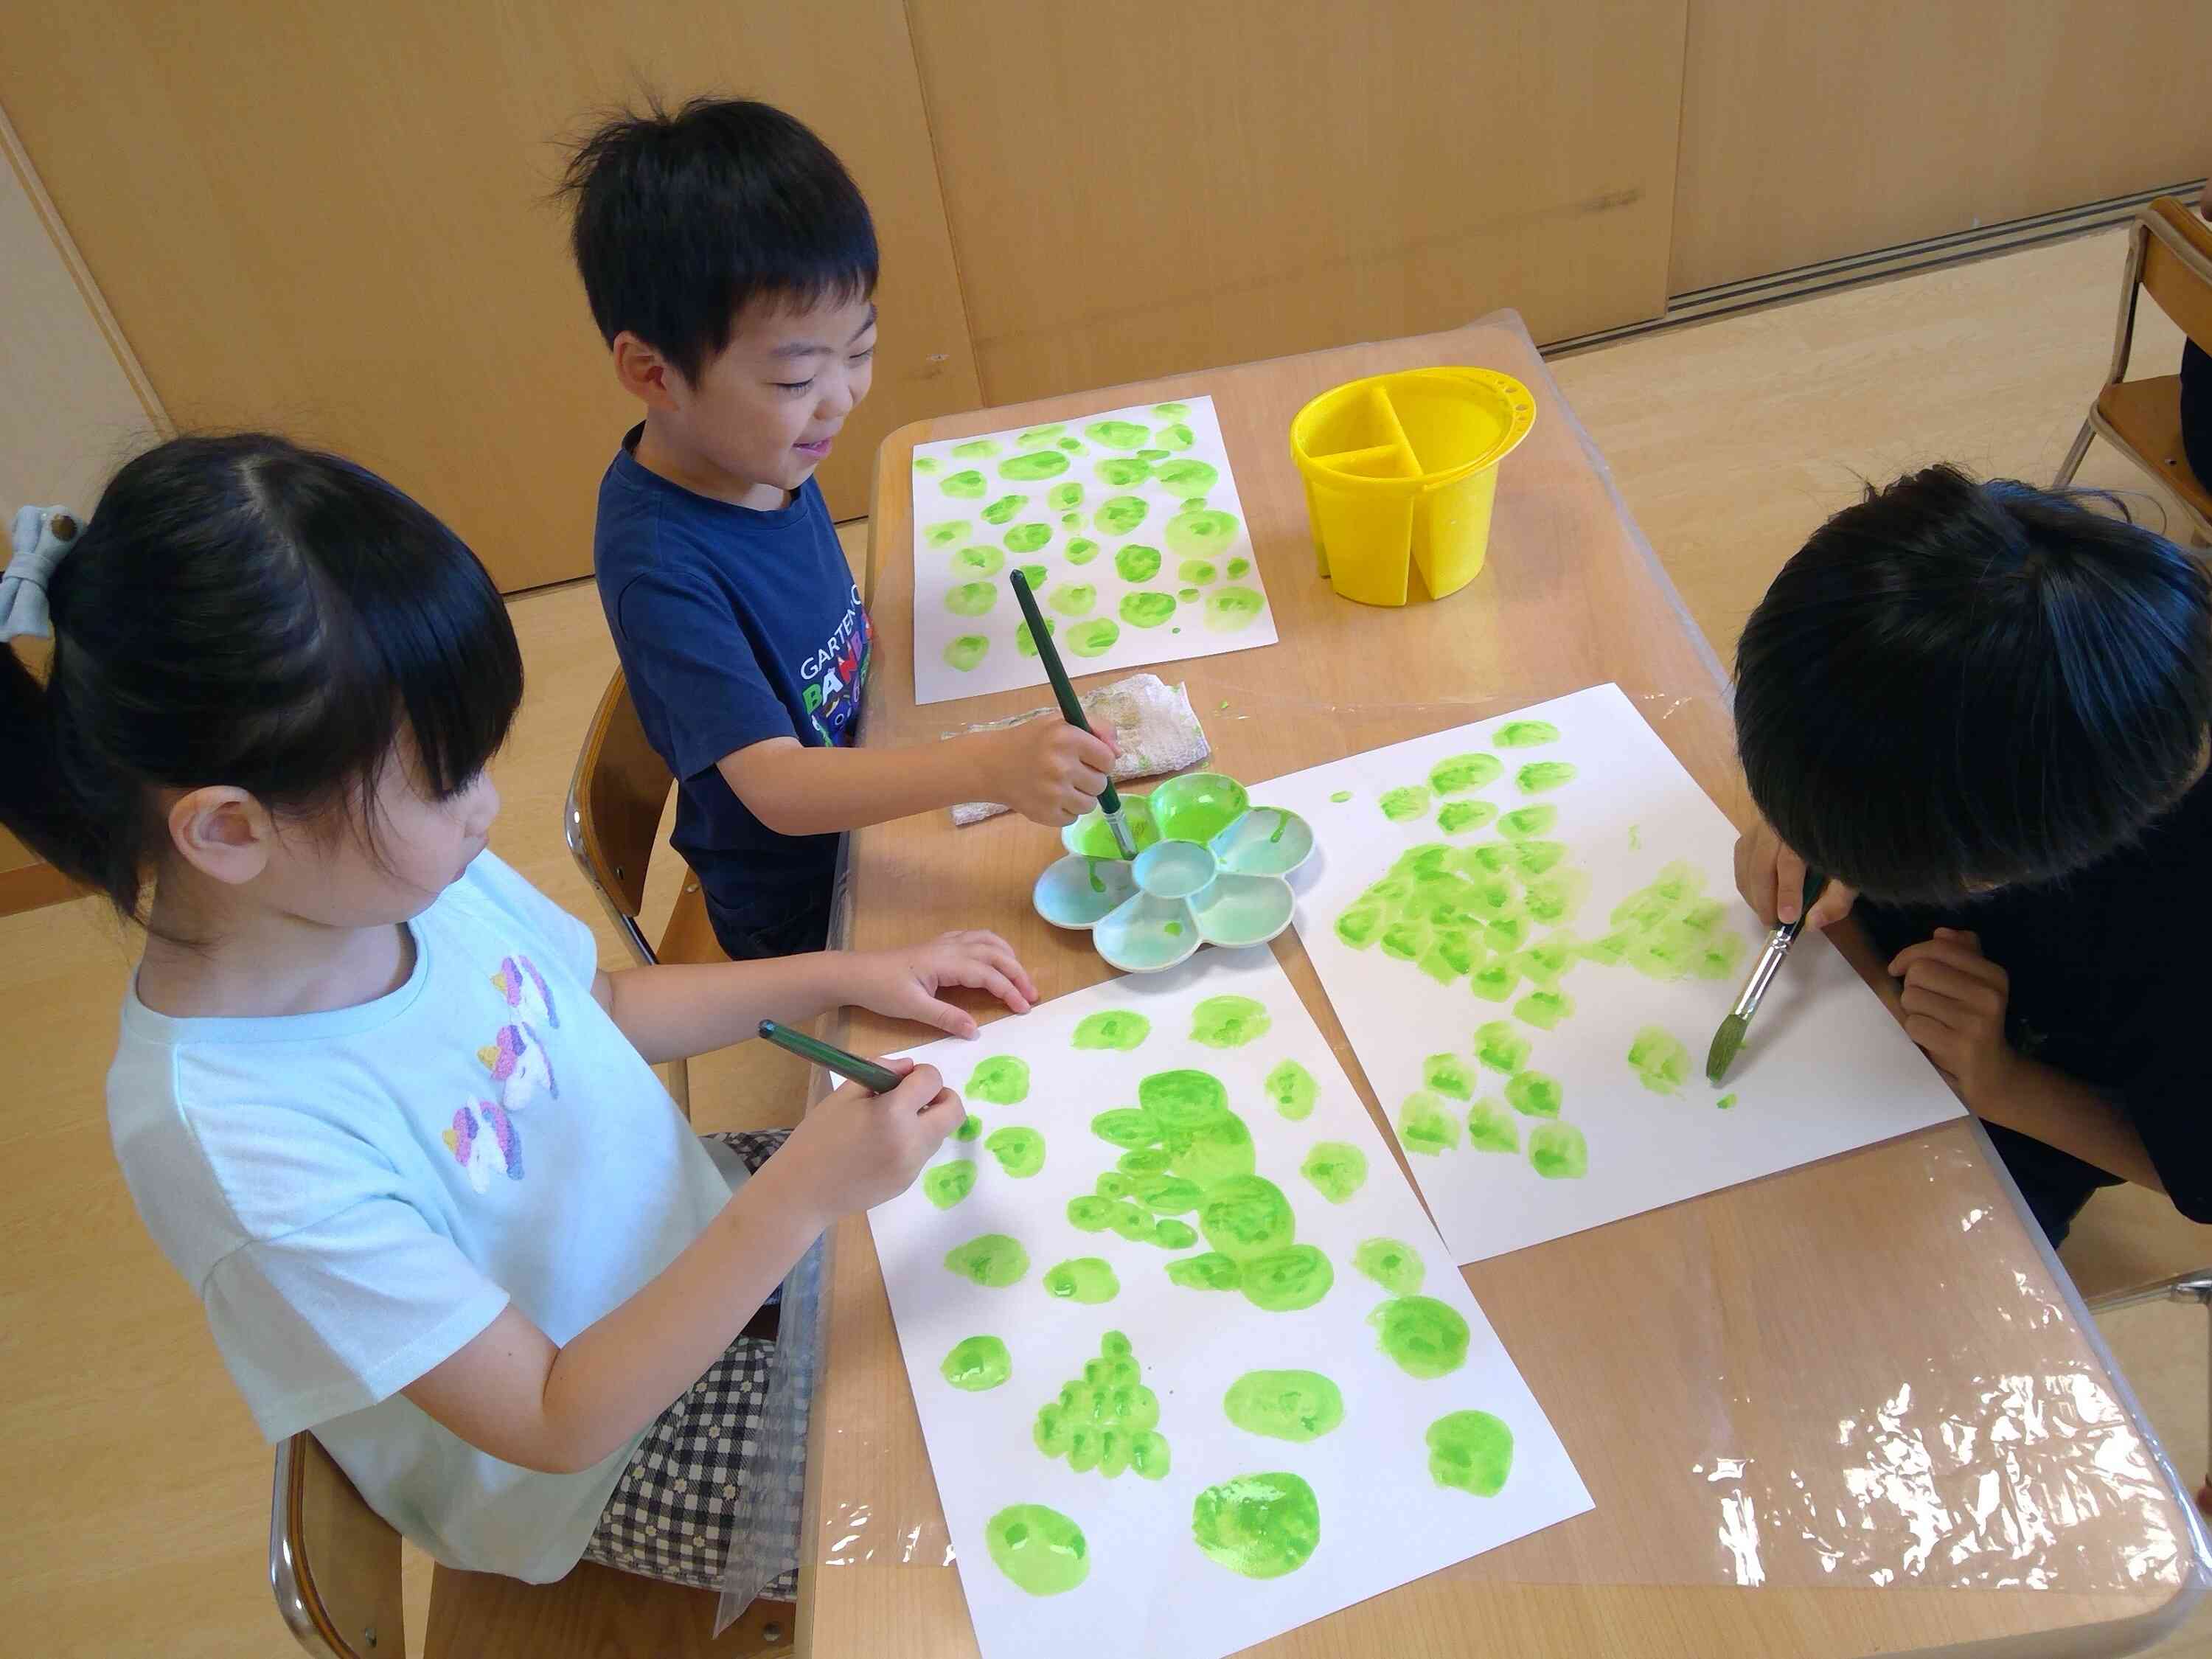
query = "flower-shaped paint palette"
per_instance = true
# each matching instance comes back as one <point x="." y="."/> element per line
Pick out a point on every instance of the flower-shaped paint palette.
<point x="1210" y="870"/>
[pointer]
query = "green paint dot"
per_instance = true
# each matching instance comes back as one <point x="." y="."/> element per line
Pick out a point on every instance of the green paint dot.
<point x="1117" y="434"/>
<point x="975" y="449"/>
<point x="1200" y="533"/>
<point x="1246" y="1216"/>
<point x="1458" y="817"/>
<point x="1463" y="772"/>
<point x="1337" y="1170"/>
<point x="1002" y="511"/>
<point x="1146" y="1160"/>
<point x="1030" y="469"/>
<point x="1061" y="496"/>
<point x="1071" y="447"/>
<point x="1186" y="478"/>
<point x="1151" y="454"/>
<point x="1525" y="734"/>
<point x="977" y="1363"/>
<point x="1424" y="1126"/>
<point x="1544" y="1009"/>
<point x="1072" y="599"/>
<point x="1500" y="1047"/>
<point x="1236" y="567"/>
<point x="1447" y="1074"/>
<point x="971" y="598"/>
<point x="946" y="1184"/>
<point x="992" y="1259"/>
<point x="1037" y="434"/>
<point x="1341" y="796"/>
<point x="1089" y="1213"/>
<point x="1039" y="1549"/>
<point x="945" y="534"/>
<point x="1425" y="1337"/>
<point x="1540" y="776"/>
<point x="970" y="1127"/>
<point x="1081" y="550"/>
<point x="1121" y="472"/>
<point x="978" y="560"/>
<point x="1495" y="980"/>
<point x="1033" y="575"/>
<point x="1293" y="1406"/>
<point x="1112" y="1028"/>
<point x="1173" y="1235"/>
<point x="965" y="652"/>
<point x="1725" y="1102"/>
<point x="1137" y="564"/>
<point x="1147" y="608"/>
<point x="1490" y="1128"/>
<point x="1232" y="609"/>
<point x="1084" y="1279"/>
<point x="1002" y="1079"/>
<point x="1118" y="515"/>
<point x="1127" y="1126"/>
<point x="1188" y="596"/>
<point x="1525" y="822"/>
<point x="1173" y="930"/>
<point x="1472" y="1451"/>
<point x="925" y="464"/>
<point x="1113" y="1184"/>
<point x="1660" y="1061"/>
<point x="1292" y="1088"/>
<point x="1170" y="411"/>
<point x="1028" y="537"/>
<point x="1288" y="1280"/>
<point x="1071" y="520"/>
<point x="1408" y="801"/>
<point x="1228" y="1022"/>
<point x="1532" y="1093"/>
<point x="1391" y="1263"/>
<point x="1092" y="639"/>
<point x="1020" y="1151"/>
<point x="1023" y="641"/>
<point x="1197" y="571"/>
<point x="1213" y="1151"/>
<point x="968" y="486"/>
<point x="1557" y="1152"/>
<point x="1260" y="1525"/>
<point x="1210" y="1271"/>
<point x="1166" y="1195"/>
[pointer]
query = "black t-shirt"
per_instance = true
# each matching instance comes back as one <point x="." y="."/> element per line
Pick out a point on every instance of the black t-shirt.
<point x="2108" y="972"/>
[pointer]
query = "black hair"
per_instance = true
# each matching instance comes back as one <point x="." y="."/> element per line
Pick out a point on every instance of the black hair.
<point x="242" y="611"/>
<point x="1956" y="685"/>
<point x="682" y="220"/>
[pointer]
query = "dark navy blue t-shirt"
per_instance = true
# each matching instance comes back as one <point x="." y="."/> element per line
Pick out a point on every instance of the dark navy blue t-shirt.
<point x="734" y="627"/>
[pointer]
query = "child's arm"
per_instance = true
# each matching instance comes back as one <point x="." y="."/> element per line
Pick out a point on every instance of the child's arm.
<point x="673" y="1012"/>
<point x="513" y="1393"/>
<point x="1045" y="769"/>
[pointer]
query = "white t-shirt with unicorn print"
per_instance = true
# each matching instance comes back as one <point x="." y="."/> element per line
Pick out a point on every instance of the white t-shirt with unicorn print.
<point x="355" y="1194"/>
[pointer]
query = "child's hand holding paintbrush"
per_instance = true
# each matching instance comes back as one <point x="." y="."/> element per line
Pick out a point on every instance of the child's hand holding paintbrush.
<point x="1788" y="897"/>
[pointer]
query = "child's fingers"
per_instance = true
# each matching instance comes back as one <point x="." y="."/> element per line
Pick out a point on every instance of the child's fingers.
<point x="919" y="1086"/>
<point x="944" y="1113"/>
<point x="955" y="1021"/>
<point x="1788" y="884"/>
<point x="1834" y="904"/>
<point x="1002" y="957"/>
<point x="1950" y="953"/>
<point x="1105" y="735"/>
<point x="1947" y="1011"/>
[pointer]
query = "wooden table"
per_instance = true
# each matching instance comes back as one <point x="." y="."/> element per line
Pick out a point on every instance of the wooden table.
<point x="1812" y="1383"/>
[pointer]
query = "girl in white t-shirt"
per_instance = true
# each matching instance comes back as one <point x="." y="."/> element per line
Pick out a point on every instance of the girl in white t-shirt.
<point x="372" y="1096"/>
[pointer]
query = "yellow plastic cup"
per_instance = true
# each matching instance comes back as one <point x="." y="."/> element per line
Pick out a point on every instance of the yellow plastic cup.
<point x="1400" y="471"/>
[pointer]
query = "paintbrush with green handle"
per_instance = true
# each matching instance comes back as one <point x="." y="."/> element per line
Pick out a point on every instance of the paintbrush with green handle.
<point x="1109" y="799"/>
<point x="1729" y="1038"/>
<point x="877" y="1079"/>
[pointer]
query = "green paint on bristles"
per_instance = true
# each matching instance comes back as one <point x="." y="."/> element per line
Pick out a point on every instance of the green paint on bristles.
<point x="1726" y="1042"/>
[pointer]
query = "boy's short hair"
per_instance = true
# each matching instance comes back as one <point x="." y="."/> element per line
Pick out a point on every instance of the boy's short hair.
<point x="1956" y="685"/>
<point x="682" y="220"/>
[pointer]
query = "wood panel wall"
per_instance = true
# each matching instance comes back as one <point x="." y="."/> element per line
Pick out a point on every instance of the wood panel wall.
<point x="332" y="219"/>
<point x="1814" y="132"/>
<point x="1140" y="193"/>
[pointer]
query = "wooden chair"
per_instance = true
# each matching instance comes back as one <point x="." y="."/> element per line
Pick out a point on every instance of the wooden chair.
<point x="334" y="1567"/>
<point x="2170" y="259"/>
<point x="614" y="802"/>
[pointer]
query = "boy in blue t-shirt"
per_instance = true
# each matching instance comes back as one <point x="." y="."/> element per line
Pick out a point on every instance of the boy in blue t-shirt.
<point x="731" y="265"/>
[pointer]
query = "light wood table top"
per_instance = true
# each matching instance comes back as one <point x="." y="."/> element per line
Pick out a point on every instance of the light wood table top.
<point x="1859" y="1386"/>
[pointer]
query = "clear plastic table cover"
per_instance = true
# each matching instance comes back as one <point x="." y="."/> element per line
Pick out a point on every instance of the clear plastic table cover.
<point x="2023" y="1461"/>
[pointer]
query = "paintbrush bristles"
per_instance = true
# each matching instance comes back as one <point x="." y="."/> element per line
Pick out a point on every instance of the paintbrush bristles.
<point x="1726" y="1042"/>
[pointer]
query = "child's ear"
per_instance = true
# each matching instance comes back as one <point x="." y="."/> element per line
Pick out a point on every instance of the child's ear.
<point x="223" y="832"/>
<point x="645" y="374"/>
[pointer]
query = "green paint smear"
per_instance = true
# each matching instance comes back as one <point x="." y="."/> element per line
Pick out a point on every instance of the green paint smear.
<point x="1033" y="575"/>
<point x="1288" y="1280"/>
<point x="1023" y="641"/>
<point x="1120" y="515"/>
<point x="1028" y="537"/>
<point x="1145" y="1160"/>
<point x="1117" y="434"/>
<point x="1002" y="1079"/>
<point x="1146" y="609"/>
<point x="1424" y="1126"/>
<point x="1071" y="599"/>
<point x="1228" y="1022"/>
<point x="1525" y="734"/>
<point x="992" y="1259"/>
<point x="1210" y="1271"/>
<point x="965" y="652"/>
<point x="1106" y="1420"/>
<point x="1092" y="639"/>
<point x="967" y="486"/>
<point x="1120" y="471"/>
<point x="1391" y="1263"/>
<point x="1114" y="1184"/>
<point x="1260" y="1525"/>
<point x="975" y="449"/>
<point x="1197" y="571"/>
<point x="925" y="464"/>
<point x="1447" y="1074"/>
<point x="1236" y="567"/>
<point x="1152" y="454"/>
<point x="1081" y="550"/>
<point x="1174" y="436"/>
<point x="1525" y="822"/>
<point x="1200" y="532"/>
<point x="1182" y="1099"/>
<point x="946" y="1184"/>
<point x="1072" y="448"/>
<point x="1472" y="1451"/>
<point x="1501" y="1048"/>
<point x="977" y="1363"/>
<point x="1544" y="1009"/>
<point x="1557" y="1152"/>
<point x="1137" y="564"/>
<point x="1186" y="479"/>
<point x="1660" y="1062"/>
<point x="1112" y="1028"/>
<point x="1490" y="1128"/>
<point x="1174" y="929"/>
<point x="1232" y="609"/>
<point x="1292" y="1088"/>
<point x="1002" y="511"/>
<point x="944" y="534"/>
<point x="1030" y="469"/>
<point x="1246" y="1216"/>
<point x="1337" y="1170"/>
<point x="1084" y="1279"/>
<point x="1457" y="818"/>
<point x="1173" y="1235"/>
<point x="1532" y="1093"/>
<point x="1170" y="411"/>
<point x="1725" y="1102"/>
<point x="1020" y="1151"/>
<point x="1540" y="776"/>
<point x="1188" y="596"/>
<point x="971" y="1127"/>
<point x="978" y="560"/>
<point x="1408" y="801"/>
<point x="1293" y="1406"/>
<point x="1167" y="1195"/>
<point x="1040" y="1549"/>
<point x="1461" y="773"/>
<point x="1037" y="434"/>
<point x="1424" y="1337"/>
<point x="1061" y="496"/>
<point x="971" y="598"/>
<point x="1341" y="796"/>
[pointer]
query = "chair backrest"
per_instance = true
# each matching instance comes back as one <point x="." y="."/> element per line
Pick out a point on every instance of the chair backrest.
<point x="2177" y="267"/>
<point x="333" y="1561"/>
<point x="615" y="801"/>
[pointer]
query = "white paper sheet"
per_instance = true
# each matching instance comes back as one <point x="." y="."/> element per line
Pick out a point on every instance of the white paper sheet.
<point x="1826" y="1069"/>
<point x="1139" y="541"/>
<point x="1151" y="1589"/>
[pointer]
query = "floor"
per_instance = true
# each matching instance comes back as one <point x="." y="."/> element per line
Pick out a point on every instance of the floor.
<point x="137" y="1518"/>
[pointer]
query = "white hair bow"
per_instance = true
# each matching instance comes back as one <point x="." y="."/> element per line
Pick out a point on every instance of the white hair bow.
<point x="41" y="535"/>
